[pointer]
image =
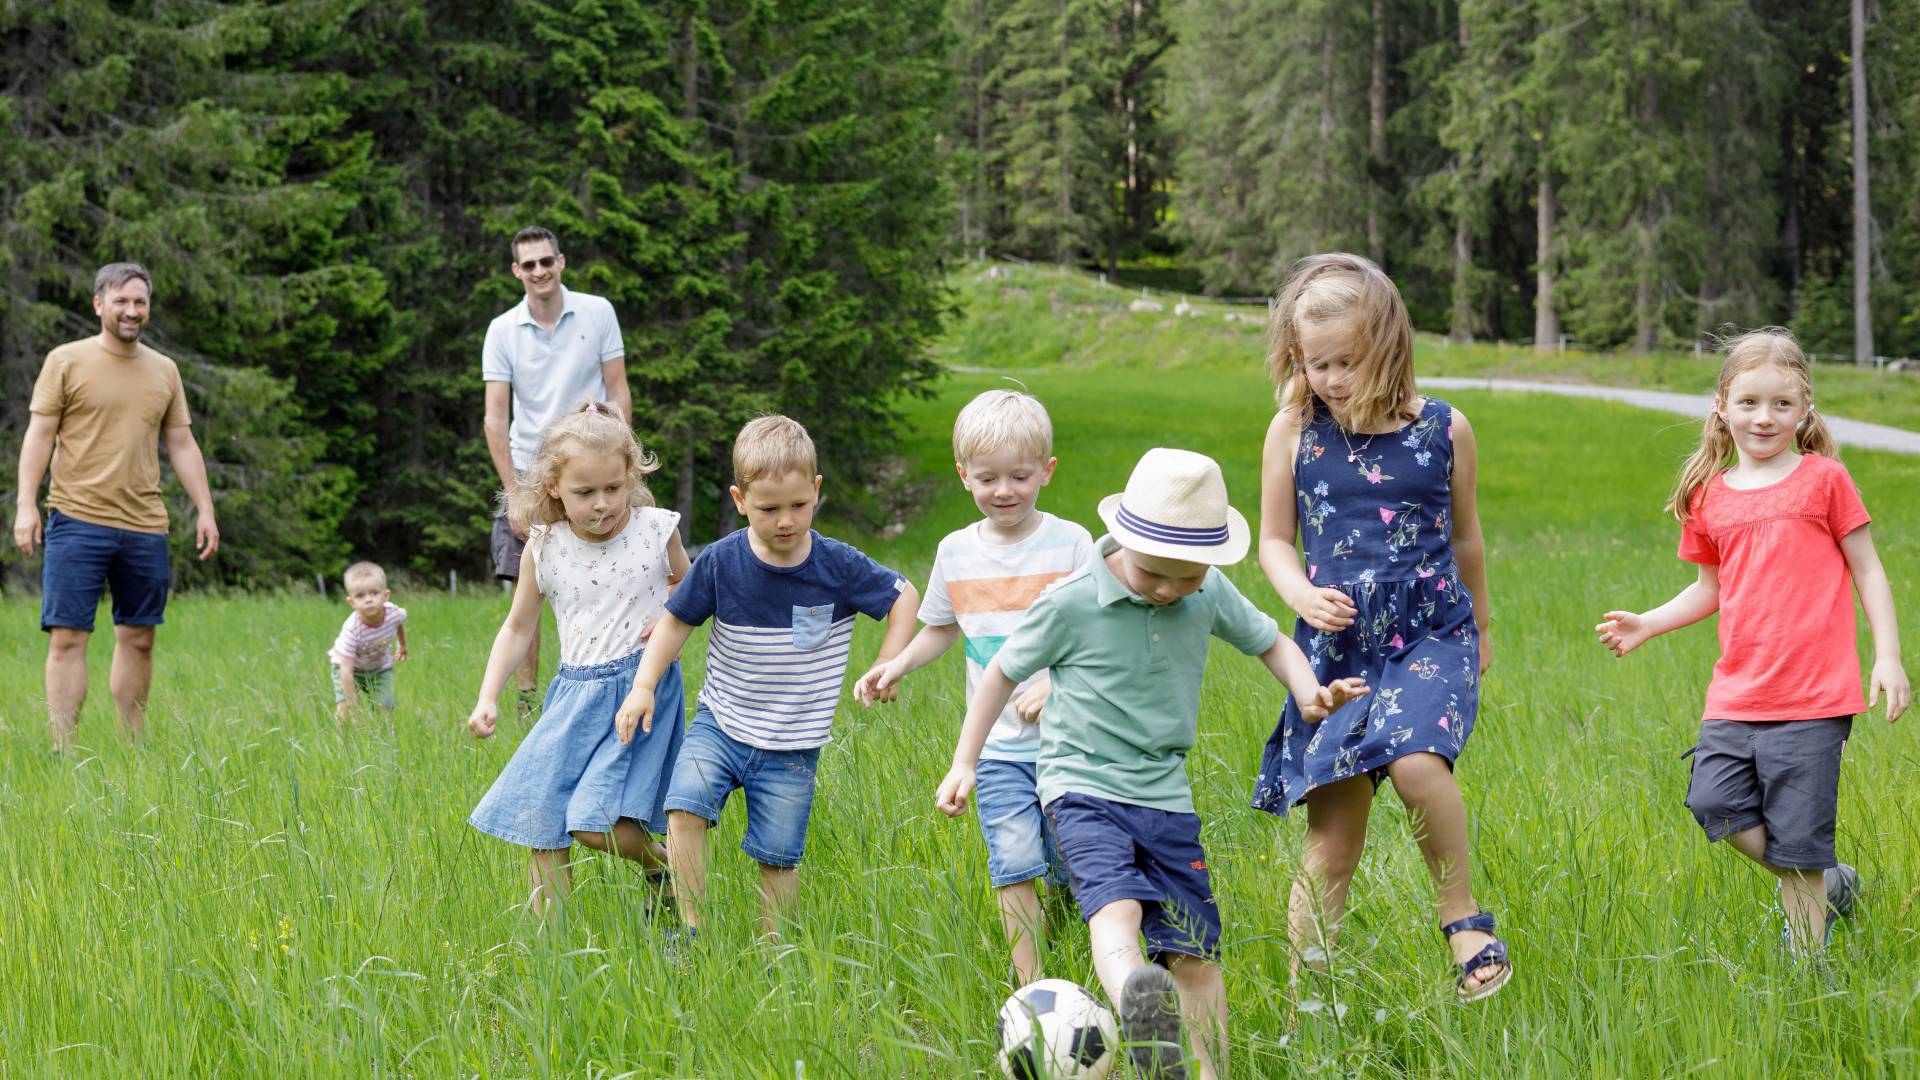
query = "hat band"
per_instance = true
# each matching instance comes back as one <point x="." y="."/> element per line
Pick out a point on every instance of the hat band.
<point x="1170" y="534"/>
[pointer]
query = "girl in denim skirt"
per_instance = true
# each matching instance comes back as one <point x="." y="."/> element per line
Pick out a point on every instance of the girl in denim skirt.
<point x="606" y="558"/>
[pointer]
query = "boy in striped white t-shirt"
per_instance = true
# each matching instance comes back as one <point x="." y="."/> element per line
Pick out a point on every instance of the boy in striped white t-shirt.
<point x="984" y="577"/>
<point x="783" y="600"/>
<point x="372" y="639"/>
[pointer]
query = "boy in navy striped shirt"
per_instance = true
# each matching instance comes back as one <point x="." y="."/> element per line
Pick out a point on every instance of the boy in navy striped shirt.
<point x="783" y="600"/>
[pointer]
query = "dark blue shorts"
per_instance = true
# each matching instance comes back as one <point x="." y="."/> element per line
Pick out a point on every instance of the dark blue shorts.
<point x="1120" y="851"/>
<point x="80" y="557"/>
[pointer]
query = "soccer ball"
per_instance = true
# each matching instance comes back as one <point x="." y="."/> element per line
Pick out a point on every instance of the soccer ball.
<point x="1054" y="1030"/>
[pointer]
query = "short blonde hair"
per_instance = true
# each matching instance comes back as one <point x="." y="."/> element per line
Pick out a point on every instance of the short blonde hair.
<point x="770" y="447"/>
<point x="1352" y="290"/>
<point x="1002" y="418"/>
<point x="364" y="573"/>
<point x="593" y="427"/>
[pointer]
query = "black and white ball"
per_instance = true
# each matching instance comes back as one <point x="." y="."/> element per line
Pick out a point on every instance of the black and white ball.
<point x="1054" y="1030"/>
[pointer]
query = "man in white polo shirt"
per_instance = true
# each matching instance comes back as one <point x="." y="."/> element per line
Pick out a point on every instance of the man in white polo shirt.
<point x="543" y="355"/>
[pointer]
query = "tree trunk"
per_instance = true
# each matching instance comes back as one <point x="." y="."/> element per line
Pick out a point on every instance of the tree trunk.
<point x="1461" y="329"/>
<point x="1063" y="243"/>
<point x="1643" y="325"/>
<point x="973" y="232"/>
<point x="1377" y="132"/>
<point x="1546" y="321"/>
<point x="683" y="480"/>
<point x="1862" y="212"/>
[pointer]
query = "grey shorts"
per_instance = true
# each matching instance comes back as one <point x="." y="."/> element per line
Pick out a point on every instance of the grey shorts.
<point x="506" y="548"/>
<point x="1784" y="775"/>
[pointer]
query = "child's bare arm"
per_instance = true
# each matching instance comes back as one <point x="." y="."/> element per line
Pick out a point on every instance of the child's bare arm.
<point x="1876" y="596"/>
<point x="349" y="698"/>
<point x="400" y="638"/>
<point x="1326" y="609"/>
<point x="1625" y="631"/>
<point x="509" y="647"/>
<point x="989" y="698"/>
<point x="900" y="626"/>
<point x="663" y="648"/>
<point x="931" y="643"/>
<point x="1290" y="666"/>
<point x="1469" y="544"/>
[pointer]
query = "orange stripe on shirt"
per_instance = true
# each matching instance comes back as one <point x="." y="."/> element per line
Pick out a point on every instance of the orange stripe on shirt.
<point x="999" y="594"/>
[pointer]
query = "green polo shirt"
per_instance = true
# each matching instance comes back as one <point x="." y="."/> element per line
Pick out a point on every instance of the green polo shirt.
<point x="1125" y="705"/>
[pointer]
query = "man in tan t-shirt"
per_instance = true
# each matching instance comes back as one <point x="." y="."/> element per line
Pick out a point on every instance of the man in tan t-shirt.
<point x="101" y="407"/>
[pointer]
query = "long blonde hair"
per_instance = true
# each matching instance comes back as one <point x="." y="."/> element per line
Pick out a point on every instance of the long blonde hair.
<point x="592" y="427"/>
<point x="1768" y="346"/>
<point x="1325" y="287"/>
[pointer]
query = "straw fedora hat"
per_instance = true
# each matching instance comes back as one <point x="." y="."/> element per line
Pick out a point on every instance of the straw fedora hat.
<point x="1175" y="507"/>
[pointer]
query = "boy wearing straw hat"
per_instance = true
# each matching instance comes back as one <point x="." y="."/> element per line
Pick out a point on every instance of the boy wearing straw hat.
<point x="1126" y="640"/>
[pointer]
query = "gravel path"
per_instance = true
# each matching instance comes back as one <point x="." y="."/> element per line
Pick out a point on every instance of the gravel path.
<point x="1851" y="433"/>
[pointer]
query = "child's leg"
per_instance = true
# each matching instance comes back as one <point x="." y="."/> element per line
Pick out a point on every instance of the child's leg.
<point x="1203" y="1005"/>
<point x="779" y="889"/>
<point x="629" y="840"/>
<point x="687" y="855"/>
<point x="1114" y="935"/>
<point x="1438" y="816"/>
<point x="1020" y="917"/>
<point x="552" y="880"/>
<point x="1336" y="834"/>
<point x="1803" y="893"/>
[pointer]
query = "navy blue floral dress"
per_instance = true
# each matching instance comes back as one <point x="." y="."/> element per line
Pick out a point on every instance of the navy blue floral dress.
<point x="1375" y="517"/>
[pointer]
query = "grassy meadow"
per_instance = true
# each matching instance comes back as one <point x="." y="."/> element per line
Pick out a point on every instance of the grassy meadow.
<point x="251" y="891"/>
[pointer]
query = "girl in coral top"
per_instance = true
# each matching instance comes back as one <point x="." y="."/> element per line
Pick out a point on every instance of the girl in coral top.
<point x="1780" y="536"/>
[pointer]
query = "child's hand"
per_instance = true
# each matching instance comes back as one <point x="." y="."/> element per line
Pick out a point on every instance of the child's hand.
<point x="1330" y="698"/>
<point x="480" y="722"/>
<point x="1888" y="675"/>
<point x="1327" y="609"/>
<point x="1623" y="632"/>
<point x="647" y="630"/>
<point x="952" y="796"/>
<point x="342" y="711"/>
<point x="400" y="653"/>
<point x="880" y="683"/>
<point x="1030" y="701"/>
<point x="635" y="711"/>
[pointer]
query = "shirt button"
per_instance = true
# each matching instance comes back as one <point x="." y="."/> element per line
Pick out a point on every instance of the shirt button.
<point x="1156" y="637"/>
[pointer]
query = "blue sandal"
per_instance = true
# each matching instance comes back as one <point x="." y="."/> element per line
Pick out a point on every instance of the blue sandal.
<point x="1494" y="953"/>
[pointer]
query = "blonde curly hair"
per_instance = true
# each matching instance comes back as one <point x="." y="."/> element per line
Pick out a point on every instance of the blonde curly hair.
<point x="593" y="427"/>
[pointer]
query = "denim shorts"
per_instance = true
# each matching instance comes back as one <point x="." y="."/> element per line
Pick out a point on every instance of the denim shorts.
<point x="1020" y="844"/>
<point x="1783" y="774"/>
<point x="1121" y="851"/>
<point x="778" y="786"/>
<point x="375" y="686"/>
<point x="80" y="557"/>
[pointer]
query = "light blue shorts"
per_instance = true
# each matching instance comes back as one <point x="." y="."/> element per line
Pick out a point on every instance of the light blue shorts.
<point x="778" y="785"/>
<point x="571" y="773"/>
<point x="1020" y="842"/>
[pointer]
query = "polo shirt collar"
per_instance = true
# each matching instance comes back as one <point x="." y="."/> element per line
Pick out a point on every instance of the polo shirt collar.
<point x="1109" y="590"/>
<point x="524" y="315"/>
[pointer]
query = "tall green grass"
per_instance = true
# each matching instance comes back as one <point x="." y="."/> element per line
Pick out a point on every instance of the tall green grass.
<point x="251" y="891"/>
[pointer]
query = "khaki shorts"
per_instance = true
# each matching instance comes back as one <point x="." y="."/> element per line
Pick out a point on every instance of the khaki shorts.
<point x="506" y="549"/>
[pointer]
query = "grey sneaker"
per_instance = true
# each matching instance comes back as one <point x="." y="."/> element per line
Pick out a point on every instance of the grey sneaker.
<point x="1843" y="888"/>
<point x="1150" y="1022"/>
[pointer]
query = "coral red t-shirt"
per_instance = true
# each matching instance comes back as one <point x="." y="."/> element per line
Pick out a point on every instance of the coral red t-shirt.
<point x="1786" y="598"/>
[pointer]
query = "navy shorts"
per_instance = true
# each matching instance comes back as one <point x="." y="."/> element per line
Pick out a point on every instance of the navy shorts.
<point x="778" y="785"/>
<point x="1120" y="851"/>
<point x="1783" y="774"/>
<point x="81" y="557"/>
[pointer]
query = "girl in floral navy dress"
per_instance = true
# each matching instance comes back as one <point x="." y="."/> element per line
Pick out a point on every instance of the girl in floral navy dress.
<point x="1379" y="484"/>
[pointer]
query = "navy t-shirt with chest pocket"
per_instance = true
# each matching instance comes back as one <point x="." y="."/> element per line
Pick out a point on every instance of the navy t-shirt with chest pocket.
<point x="777" y="652"/>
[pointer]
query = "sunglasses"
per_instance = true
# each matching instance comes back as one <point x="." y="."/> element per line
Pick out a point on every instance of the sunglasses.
<point x="544" y="262"/>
